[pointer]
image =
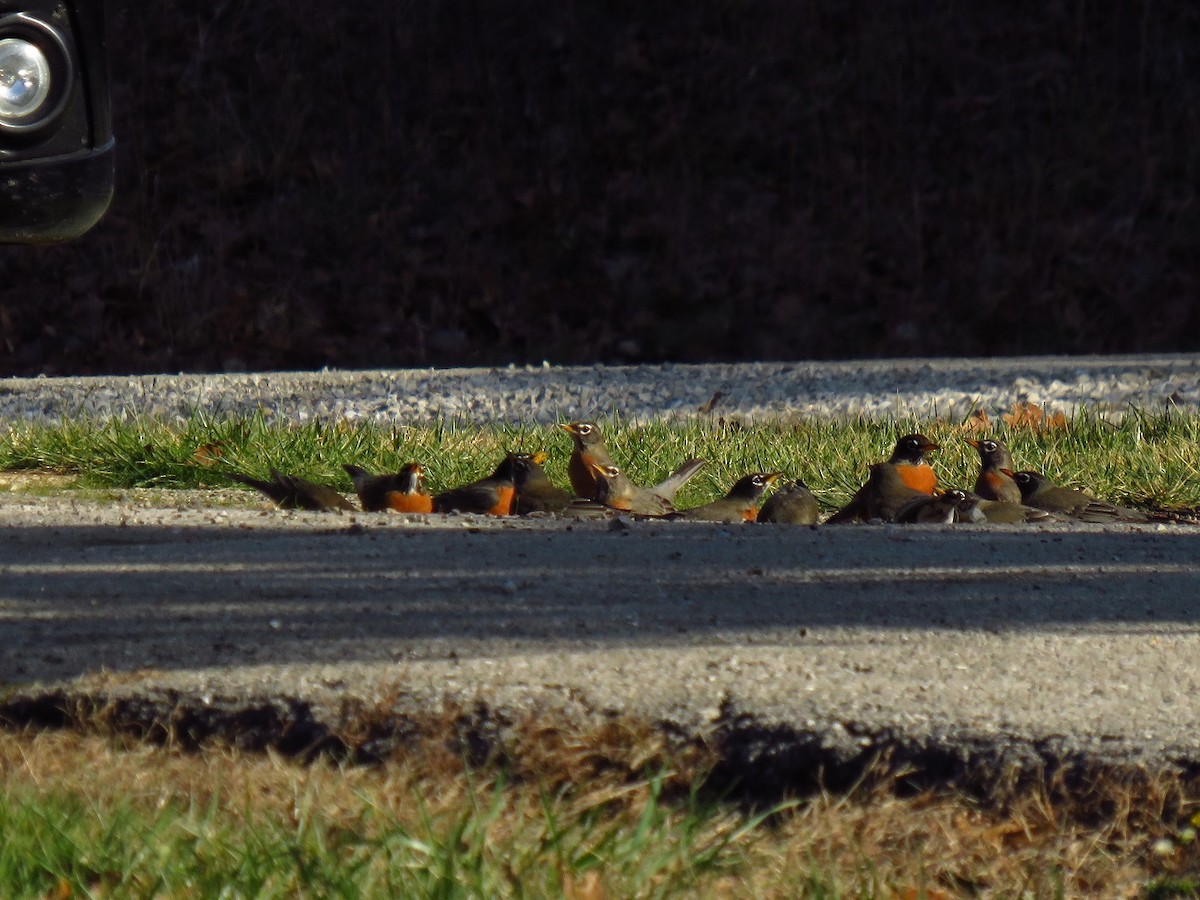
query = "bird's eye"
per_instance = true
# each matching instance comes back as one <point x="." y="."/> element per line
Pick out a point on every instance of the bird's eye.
<point x="585" y="429"/>
<point x="989" y="446"/>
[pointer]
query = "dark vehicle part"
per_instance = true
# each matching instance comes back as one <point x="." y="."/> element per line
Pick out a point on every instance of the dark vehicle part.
<point x="56" y="141"/>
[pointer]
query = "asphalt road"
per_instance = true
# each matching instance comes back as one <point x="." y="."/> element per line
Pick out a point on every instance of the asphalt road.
<point x="1027" y="645"/>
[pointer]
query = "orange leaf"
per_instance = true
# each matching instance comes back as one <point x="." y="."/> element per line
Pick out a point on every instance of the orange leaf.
<point x="208" y="454"/>
<point x="1024" y="415"/>
<point x="1058" y="420"/>
<point x="977" y="422"/>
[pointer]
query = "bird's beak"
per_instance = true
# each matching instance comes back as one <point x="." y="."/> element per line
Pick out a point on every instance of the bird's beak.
<point x="974" y="443"/>
<point x="539" y="457"/>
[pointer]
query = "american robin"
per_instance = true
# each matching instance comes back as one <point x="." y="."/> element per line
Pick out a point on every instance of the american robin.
<point x="792" y="504"/>
<point x="492" y="495"/>
<point x="970" y="507"/>
<point x="405" y="491"/>
<point x="535" y="491"/>
<point x="293" y="492"/>
<point x="887" y="496"/>
<point x="616" y="491"/>
<point x="590" y="450"/>
<point x="1038" y="490"/>
<point x="941" y="509"/>
<point x="993" y="482"/>
<point x="908" y="459"/>
<point x="739" y="505"/>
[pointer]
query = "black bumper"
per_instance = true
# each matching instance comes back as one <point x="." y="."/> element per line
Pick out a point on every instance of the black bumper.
<point x="56" y="198"/>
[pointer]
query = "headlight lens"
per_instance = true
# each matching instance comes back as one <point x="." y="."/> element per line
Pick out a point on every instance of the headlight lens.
<point x="25" y="81"/>
<point x="36" y="72"/>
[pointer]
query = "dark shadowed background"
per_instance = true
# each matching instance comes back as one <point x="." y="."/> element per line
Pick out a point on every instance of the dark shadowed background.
<point x="390" y="184"/>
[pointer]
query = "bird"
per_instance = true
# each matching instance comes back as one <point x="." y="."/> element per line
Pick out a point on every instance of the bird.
<point x="887" y="496"/>
<point x="589" y="448"/>
<point x="970" y="507"/>
<point x="908" y="459"/>
<point x="940" y="509"/>
<point x="993" y="482"/>
<point x="405" y="491"/>
<point x="492" y="495"/>
<point x="616" y="491"/>
<point x="739" y="505"/>
<point x="294" y="492"/>
<point x="792" y="504"/>
<point x="535" y="491"/>
<point x="1038" y="490"/>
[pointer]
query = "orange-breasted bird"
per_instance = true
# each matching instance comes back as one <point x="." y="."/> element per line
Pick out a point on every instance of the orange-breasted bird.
<point x="995" y="462"/>
<point x="616" y="491"/>
<point x="590" y="450"/>
<point x="405" y="491"/>
<point x="911" y="468"/>
<point x="739" y="505"/>
<point x="887" y="496"/>
<point x="492" y="495"/>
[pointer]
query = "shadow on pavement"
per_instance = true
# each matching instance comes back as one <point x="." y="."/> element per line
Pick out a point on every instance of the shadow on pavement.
<point x="84" y="598"/>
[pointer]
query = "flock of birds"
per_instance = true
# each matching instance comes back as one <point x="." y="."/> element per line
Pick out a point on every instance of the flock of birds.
<point x="903" y="488"/>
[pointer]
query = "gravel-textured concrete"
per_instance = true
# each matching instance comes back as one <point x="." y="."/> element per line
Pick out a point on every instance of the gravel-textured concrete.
<point x="947" y="387"/>
<point x="1039" y="645"/>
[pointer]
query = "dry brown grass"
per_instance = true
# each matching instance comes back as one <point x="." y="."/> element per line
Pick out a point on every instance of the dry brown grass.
<point x="1085" y="840"/>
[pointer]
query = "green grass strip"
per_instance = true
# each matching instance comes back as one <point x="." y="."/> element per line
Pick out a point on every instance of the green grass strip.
<point x="1146" y="460"/>
<point x="65" y="844"/>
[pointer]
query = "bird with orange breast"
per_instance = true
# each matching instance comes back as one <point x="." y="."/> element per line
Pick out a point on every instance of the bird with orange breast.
<point x="615" y="491"/>
<point x="911" y="470"/>
<point x="404" y="491"/>
<point x="739" y="505"/>
<point x="492" y="495"/>
<point x="590" y="451"/>
<point x="995" y="462"/>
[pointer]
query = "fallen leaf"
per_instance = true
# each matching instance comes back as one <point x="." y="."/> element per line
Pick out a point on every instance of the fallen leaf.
<point x="1058" y="420"/>
<point x="1023" y="415"/>
<point x="978" y="422"/>
<point x="208" y="454"/>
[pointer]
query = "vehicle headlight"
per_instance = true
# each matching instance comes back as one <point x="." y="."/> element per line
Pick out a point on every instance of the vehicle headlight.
<point x="35" y="73"/>
<point x="24" y="80"/>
